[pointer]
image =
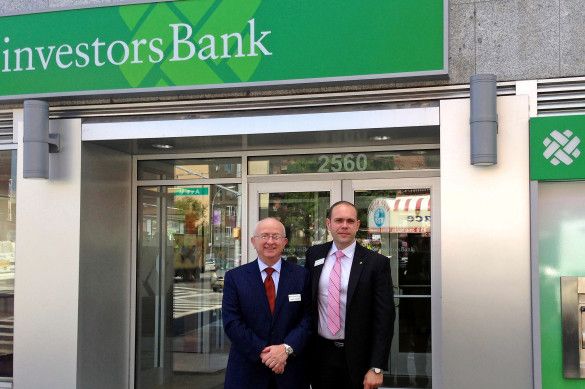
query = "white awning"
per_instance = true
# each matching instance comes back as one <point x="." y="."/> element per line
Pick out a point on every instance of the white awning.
<point x="262" y="124"/>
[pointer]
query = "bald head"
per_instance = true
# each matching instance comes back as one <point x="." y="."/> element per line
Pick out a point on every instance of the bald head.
<point x="269" y="240"/>
<point x="270" y="221"/>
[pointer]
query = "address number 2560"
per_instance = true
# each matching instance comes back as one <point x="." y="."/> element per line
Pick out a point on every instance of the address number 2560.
<point x="342" y="163"/>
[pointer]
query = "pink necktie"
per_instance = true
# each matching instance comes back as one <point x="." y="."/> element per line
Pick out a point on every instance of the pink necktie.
<point x="333" y="318"/>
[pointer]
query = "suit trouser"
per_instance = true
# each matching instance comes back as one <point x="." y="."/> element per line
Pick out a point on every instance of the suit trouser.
<point x="330" y="369"/>
<point x="272" y="383"/>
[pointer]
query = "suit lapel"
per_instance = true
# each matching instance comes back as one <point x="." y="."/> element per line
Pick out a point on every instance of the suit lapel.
<point x="256" y="284"/>
<point x="355" y="273"/>
<point x="282" y="293"/>
<point x="316" y="270"/>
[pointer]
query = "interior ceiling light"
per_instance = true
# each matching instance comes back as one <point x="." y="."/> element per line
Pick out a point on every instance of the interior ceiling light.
<point x="162" y="146"/>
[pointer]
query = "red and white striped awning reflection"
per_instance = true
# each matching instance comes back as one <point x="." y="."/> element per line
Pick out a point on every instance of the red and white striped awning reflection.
<point x="410" y="203"/>
<point x="404" y="214"/>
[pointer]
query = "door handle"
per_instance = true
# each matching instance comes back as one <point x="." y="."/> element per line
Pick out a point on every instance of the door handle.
<point x="582" y="309"/>
<point x="573" y="326"/>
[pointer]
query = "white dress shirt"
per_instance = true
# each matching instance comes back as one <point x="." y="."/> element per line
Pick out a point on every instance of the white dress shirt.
<point x="324" y="293"/>
<point x="275" y="273"/>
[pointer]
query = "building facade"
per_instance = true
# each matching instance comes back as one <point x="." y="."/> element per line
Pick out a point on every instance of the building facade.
<point x="112" y="266"/>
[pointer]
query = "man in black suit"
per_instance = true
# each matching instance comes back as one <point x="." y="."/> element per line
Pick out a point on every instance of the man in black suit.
<point x="353" y="306"/>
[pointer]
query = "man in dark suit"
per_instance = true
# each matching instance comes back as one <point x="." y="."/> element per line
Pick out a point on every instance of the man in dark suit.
<point x="265" y="310"/>
<point x="352" y="297"/>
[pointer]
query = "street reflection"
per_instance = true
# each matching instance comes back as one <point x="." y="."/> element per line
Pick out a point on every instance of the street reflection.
<point x="7" y="265"/>
<point x="196" y="229"/>
<point x="303" y="216"/>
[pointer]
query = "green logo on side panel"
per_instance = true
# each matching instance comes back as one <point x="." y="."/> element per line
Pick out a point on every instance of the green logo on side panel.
<point x="216" y="43"/>
<point x="556" y="145"/>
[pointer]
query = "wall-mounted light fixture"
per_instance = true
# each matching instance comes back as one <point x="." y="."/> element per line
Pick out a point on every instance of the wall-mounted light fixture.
<point x="483" y="120"/>
<point x="37" y="142"/>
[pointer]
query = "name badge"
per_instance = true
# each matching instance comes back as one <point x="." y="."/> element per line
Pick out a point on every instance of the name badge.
<point x="294" y="297"/>
<point x="319" y="262"/>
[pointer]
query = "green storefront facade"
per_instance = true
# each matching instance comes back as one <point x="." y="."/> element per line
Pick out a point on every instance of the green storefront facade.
<point x="557" y="169"/>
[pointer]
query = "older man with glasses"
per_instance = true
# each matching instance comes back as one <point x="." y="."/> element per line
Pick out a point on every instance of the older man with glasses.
<point x="266" y="305"/>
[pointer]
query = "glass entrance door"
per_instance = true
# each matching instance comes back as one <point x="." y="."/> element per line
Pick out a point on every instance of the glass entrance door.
<point x="190" y="235"/>
<point x="395" y="220"/>
<point x="300" y="206"/>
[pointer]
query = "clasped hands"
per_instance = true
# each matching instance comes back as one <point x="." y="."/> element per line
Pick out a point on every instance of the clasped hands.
<point x="274" y="357"/>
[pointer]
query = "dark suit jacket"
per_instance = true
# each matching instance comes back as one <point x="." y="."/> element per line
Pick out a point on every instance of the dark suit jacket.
<point x="370" y="313"/>
<point x="250" y="326"/>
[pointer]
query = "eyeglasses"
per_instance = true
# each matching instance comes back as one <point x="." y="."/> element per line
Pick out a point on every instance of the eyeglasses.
<point x="266" y="237"/>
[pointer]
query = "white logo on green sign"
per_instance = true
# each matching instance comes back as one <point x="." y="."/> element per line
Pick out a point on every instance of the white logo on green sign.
<point x="561" y="147"/>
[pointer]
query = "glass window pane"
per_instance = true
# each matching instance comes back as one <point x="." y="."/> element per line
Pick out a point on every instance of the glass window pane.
<point x="397" y="223"/>
<point x="199" y="230"/>
<point x="346" y="162"/>
<point x="303" y="216"/>
<point x="189" y="169"/>
<point x="7" y="241"/>
<point x="149" y="206"/>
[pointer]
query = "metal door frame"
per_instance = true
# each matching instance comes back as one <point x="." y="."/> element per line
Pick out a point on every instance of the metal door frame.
<point x="342" y="187"/>
<point x="254" y="189"/>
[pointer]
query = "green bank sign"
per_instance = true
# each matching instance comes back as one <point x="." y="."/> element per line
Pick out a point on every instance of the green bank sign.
<point x="202" y="44"/>
<point x="556" y="148"/>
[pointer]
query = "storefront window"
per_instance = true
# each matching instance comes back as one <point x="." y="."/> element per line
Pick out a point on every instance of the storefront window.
<point x="7" y="240"/>
<point x="189" y="236"/>
<point x="303" y="215"/>
<point x="345" y="162"/>
<point x="189" y="169"/>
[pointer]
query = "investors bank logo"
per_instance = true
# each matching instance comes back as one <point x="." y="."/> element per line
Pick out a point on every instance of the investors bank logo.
<point x="555" y="148"/>
<point x="561" y="147"/>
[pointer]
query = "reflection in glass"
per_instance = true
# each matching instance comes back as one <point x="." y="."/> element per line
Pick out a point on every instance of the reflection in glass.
<point x="344" y="162"/>
<point x="7" y="240"/>
<point x="189" y="169"/>
<point x="196" y="230"/>
<point x="397" y="223"/>
<point x="149" y="200"/>
<point x="303" y="216"/>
